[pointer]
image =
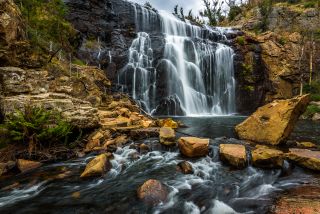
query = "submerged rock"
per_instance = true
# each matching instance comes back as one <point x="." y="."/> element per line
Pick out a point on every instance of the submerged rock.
<point x="193" y="147"/>
<point x="305" y="158"/>
<point x="27" y="165"/>
<point x="234" y="154"/>
<point x="273" y="123"/>
<point x="185" y="167"/>
<point x="167" y="136"/>
<point x="152" y="192"/>
<point x="96" y="167"/>
<point x="265" y="157"/>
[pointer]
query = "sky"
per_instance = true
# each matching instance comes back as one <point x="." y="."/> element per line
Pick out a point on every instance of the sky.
<point x="195" y="5"/>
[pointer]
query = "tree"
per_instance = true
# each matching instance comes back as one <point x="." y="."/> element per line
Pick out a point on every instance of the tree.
<point x="212" y="11"/>
<point x="182" y="13"/>
<point x="176" y="9"/>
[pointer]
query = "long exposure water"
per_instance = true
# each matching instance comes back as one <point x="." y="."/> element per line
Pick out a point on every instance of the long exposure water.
<point x="212" y="188"/>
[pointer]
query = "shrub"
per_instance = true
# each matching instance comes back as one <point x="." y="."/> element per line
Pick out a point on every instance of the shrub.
<point x="311" y="110"/>
<point x="313" y="88"/>
<point x="315" y="97"/>
<point x="241" y="40"/>
<point x="36" y="128"/>
<point x="234" y="12"/>
<point x="309" y="4"/>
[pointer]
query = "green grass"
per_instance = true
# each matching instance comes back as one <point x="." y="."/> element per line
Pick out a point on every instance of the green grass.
<point x="315" y="97"/>
<point x="241" y="40"/>
<point x="311" y="110"/>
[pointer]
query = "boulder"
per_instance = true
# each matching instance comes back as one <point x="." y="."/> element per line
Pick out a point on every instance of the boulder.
<point x="273" y="123"/>
<point x="143" y="148"/>
<point x="185" y="167"/>
<point x="27" y="165"/>
<point x="234" y="154"/>
<point x="144" y="133"/>
<point x="167" y="123"/>
<point x="167" y="136"/>
<point x="96" y="167"/>
<point x="92" y="144"/>
<point x="265" y="157"/>
<point x="193" y="147"/>
<point x="305" y="158"/>
<point x="152" y="192"/>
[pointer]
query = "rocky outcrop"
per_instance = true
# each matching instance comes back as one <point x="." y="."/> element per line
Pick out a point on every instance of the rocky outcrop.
<point x="152" y="192"/>
<point x="265" y="157"/>
<point x="193" y="147"/>
<point x="234" y="154"/>
<point x="96" y="167"/>
<point x="167" y="136"/>
<point x="75" y="97"/>
<point x="305" y="158"/>
<point x="273" y="123"/>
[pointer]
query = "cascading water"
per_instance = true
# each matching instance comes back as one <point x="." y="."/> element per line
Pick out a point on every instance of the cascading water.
<point x="193" y="76"/>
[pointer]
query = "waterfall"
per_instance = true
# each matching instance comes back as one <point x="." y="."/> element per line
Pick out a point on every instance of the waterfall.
<point x="193" y="75"/>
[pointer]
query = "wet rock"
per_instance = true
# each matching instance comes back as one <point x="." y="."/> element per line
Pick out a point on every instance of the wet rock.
<point x="92" y="144"/>
<point x="144" y="133"/>
<point x="265" y="157"/>
<point x="306" y="145"/>
<point x="27" y="165"/>
<point x="167" y="136"/>
<point x="234" y="154"/>
<point x="144" y="148"/>
<point x="152" y="192"/>
<point x="273" y="123"/>
<point x="193" y="147"/>
<point x="305" y="158"/>
<point x="96" y="167"/>
<point x="118" y="141"/>
<point x="303" y="199"/>
<point x="185" y="167"/>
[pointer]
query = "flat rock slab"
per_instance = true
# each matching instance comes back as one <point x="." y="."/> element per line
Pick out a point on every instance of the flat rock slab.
<point x="266" y="157"/>
<point x="304" y="200"/>
<point x="27" y="165"/>
<point x="167" y="136"/>
<point x="145" y="133"/>
<point x="193" y="147"/>
<point x="273" y="123"/>
<point x="305" y="158"/>
<point x="234" y="154"/>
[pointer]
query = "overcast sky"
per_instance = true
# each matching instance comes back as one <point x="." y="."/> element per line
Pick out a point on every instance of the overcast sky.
<point x="168" y="5"/>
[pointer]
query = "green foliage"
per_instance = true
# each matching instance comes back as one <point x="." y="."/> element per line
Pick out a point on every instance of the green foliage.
<point x="45" y="21"/>
<point x="241" y="40"/>
<point x="309" y="4"/>
<point x="234" y="12"/>
<point x="78" y="62"/>
<point x="248" y="88"/>
<point x="313" y="88"/>
<point x="315" y="97"/>
<point x="212" y="11"/>
<point x="282" y="41"/>
<point x="36" y="127"/>
<point x="265" y="7"/>
<point x="311" y="110"/>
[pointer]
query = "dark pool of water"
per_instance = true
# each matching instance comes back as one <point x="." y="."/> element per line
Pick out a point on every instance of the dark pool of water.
<point x="212" y="188"/>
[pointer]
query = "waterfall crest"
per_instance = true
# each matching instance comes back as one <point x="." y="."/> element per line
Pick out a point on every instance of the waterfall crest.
<point x="192" y="75"/>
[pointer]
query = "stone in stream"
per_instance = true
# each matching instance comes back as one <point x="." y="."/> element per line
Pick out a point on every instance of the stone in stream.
<point x="273" y="123"/>
<point x="234" y="154"/>
<point x="97" y="167"/>
<point x="27" y="165"/>
<point x="305" y="158"/>
<point x="193" y="147"/>
<point x="152" y="192"/>
<point x="167" y="123"/>
<point x="185" y="167"/>
<point x="266" y="157"/>
<point x="167" y="136"/>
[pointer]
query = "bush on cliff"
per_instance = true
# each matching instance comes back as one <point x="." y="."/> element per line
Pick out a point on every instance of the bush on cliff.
<point x="46" y="26"/>
<point x="36" y="129"/>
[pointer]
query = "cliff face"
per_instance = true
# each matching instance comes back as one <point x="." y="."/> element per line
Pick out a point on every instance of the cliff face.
<point x="285" y="48"/>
